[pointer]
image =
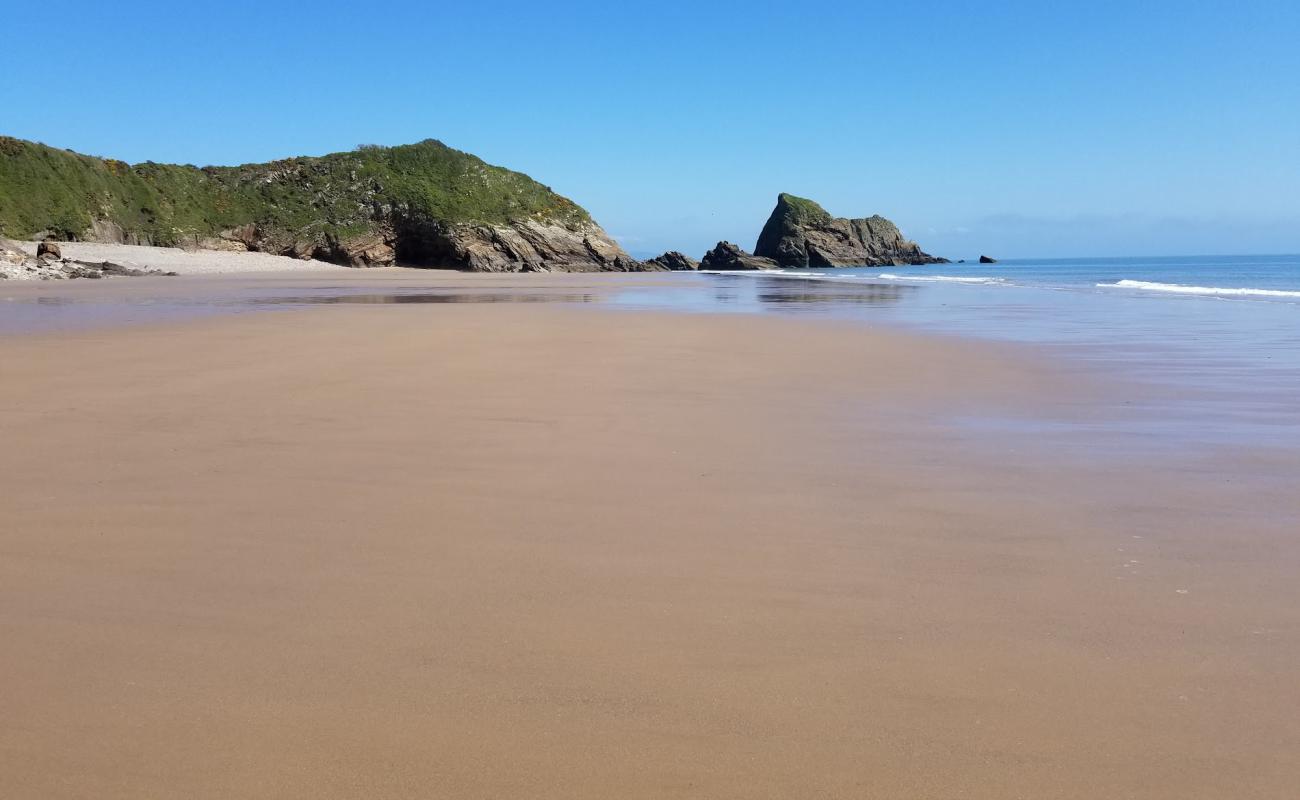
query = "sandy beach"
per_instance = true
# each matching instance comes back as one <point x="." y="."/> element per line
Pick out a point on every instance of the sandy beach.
<point x="183" y="262"/>
<point x="672" y="401"/>
<point x="529" y="550"/>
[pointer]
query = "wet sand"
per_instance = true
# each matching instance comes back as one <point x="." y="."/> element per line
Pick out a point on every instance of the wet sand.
<point x="524" y="550"/>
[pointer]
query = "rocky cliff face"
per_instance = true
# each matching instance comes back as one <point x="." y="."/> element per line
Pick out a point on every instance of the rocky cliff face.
<point x="527" y="246"/>
<point x="801" y="233"/>
<point x="422" y="205"/>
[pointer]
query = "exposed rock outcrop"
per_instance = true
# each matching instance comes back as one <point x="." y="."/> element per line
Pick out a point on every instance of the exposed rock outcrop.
<point x="16" y="263"/>
<point x="728" y="257"/>
<point x="238" y="239"/>
<point x="801" y="233"/>
<point x="109" y="232"/>
<point x="12" y="258"/>
<point x="530" y="246"/>
<point x="516" y="246"/>
<point x="375" y="249"/>
<point x="672" y="261"/>
<point x="988" y="260"/>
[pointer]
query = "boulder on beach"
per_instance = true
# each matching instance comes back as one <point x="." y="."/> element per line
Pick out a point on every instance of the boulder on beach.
<point x="48" y="248"/>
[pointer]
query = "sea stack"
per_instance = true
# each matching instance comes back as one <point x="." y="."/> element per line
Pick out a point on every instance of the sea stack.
<point x="988" y="260"/>
<point x="800" y="233"/>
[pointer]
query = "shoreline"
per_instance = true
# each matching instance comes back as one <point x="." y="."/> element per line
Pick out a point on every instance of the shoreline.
<point x="551" y="550"/>
<point x="1232" y="383"/>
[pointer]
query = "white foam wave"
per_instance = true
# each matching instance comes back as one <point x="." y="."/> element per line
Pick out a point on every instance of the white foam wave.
<point x="1178" y="288"/>
<point x="942" y="278"/>
<point x="884" y="276"/>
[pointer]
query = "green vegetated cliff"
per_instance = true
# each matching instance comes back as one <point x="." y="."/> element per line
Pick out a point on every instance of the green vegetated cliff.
<point x="423" y="203"/>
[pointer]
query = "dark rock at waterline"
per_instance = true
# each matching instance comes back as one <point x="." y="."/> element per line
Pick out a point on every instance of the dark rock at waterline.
<point x="727" y="257"/>
<point x="107" y="269"/>
<point x="988" y="260"/>
<point x="672" y="261"/>
<point x="800" y="233"/>
<point x="110" y="269"/>
<point x="47" y="267"/>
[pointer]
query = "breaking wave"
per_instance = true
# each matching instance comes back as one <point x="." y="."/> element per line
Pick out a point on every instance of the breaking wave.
<point x="1178" y="288"/>
<point x="942" y="278"/>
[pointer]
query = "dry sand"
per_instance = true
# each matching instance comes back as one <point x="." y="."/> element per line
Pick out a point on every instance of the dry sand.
<point x="516" y="551"/>
<point x="184" y="262"/>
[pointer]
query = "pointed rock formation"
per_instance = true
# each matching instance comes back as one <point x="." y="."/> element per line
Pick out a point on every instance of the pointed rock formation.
<point x="672" y="261"/>
<point x="727" y="257"/>
<point x="801" y="233"/>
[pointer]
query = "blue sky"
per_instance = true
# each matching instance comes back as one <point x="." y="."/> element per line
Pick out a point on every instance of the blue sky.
<point x="1014" y="128"/>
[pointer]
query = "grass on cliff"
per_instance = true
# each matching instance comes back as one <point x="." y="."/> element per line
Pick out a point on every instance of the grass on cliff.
<point x="802" y="211"/>
<point x="297" y="199"/>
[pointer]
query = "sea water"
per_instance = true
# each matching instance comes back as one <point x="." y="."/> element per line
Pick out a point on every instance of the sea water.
<point x="1264" y="277"/>
<point x="1220" y="334"/>
<point x="1217" y="336"/>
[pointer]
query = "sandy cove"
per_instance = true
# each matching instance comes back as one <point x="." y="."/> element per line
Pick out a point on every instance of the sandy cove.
<point x="514" y="550"/>
<point x="170" y="259"/>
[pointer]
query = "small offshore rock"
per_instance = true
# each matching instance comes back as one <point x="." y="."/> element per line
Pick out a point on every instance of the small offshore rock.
<point x="672" y="261"/>
<point x="988" y="260"/>
<point x="727" y="257"/>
